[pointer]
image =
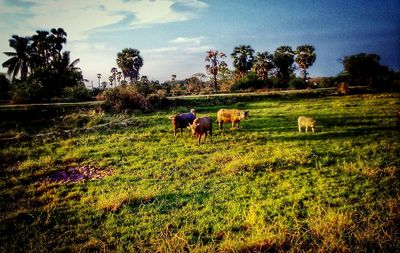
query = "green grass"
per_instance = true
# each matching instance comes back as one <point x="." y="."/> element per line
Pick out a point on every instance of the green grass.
<point x="264" y="187"/>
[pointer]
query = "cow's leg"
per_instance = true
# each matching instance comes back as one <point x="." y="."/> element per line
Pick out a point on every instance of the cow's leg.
<point x="306" y="129"/>
<point x="238" y="124"/>
<point x="175" y="132"/>
<point x="299" y="129"/>
<point x="181" y="131"/>
<point x="220" y="124"/>
<point x="205" y="136"/>
<point x="198" y="140"/>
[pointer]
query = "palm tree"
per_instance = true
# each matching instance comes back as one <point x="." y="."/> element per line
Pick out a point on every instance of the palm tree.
<point x="283" y="60"/>
<point x="263" y="64"/>
<point x="20" y="61"/>
<point x="243" y="58"/>
<point x="130" y="62"/>
<point x="213" y="57"/>
<point x="305" y="57"/>
<point x="58" y="37"/>
<point x="113" y="71"/>
<point x="41" y="47"/>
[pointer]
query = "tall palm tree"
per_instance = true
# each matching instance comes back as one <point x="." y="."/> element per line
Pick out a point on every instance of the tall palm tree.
<point x="263" y="64"/>
<point x="243" y="58"/>
<point x="213" y="57"/>
<point x="130" y="62"/>
<point x="20" y="61"/>
<point x="113" y="76"/>
<point x="41" y="47"/>
<point x="283" y="60"/>
<point x="305" y="57"/>
<point x="58" y="37"/>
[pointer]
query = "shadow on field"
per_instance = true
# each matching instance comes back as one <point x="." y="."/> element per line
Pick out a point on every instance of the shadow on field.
<point x="169" y="202"/>
<point x="328" y="135"/>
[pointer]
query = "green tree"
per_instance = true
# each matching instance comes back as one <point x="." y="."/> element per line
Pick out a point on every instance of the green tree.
<point x="58" y="37"/>
<point x="263" y="64"/>
<point x="283" y="60"/>
<point x="214" y="58"/>
<point x="364" y="69"/>
<point x="130" y="62"/>
<point x="4" y="87"/>
<point x="20" y="60"/>
<point x="305" y="57"/>
<point x="242" y="59"/>
<point x="113" y="77"/>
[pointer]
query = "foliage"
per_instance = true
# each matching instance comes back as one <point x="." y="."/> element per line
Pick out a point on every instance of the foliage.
<point x="42" y="65"/>
<point x="305" y="57"/>
<point x="298" y="83"/>
<point x="263" y="65"/>
<point x="214" y="58"/>
<point x="77" y="93"/>
<point x="127" y="98"/>
<point x="365" y="69"/>
<point x="5" y="87"/>
<point x="130" y="62"/>
<point x="242" y="59"/>
<point x="20" y="61"/>
<point x="249" y="82"/>
<point x="262" y="188"/>
<point x="283" y="60"/>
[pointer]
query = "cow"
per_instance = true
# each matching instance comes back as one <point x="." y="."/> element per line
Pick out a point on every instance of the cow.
<point x="183" y="120"/>
<point x="233" y="116"/>
<point x="306" y="122"/>
<point x="201" y="126"/>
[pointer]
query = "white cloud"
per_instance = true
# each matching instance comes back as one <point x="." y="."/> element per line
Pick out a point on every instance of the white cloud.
<point x="186" y="40"/>
<point x="79" y="17"/>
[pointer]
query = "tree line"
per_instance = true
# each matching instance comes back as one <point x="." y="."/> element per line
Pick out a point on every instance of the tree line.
<point x="45" y="71"/>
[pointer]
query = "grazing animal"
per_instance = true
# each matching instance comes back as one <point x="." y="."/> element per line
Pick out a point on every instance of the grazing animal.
<point x="201" y="126"/>
<point x="233" y="116"/>
<point x="183" y="120"/>
<point x="306" y="122"/>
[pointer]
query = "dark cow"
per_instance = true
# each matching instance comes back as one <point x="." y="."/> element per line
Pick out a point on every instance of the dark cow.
<point x="183" y="120"/>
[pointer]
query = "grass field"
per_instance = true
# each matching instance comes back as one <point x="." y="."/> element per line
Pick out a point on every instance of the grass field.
<point x="264" y="187"/>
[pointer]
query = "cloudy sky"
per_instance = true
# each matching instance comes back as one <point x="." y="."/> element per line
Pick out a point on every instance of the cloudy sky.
<point x="173" y="35"/>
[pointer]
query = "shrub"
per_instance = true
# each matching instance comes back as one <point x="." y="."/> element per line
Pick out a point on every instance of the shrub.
<point x="249" y="81"/>
<point x="23" y="92"/>
<point x="298" y="83"/>
<point x="126" y="99"/>
<point x="4" y="87"/>
<point x="77" y="93"/>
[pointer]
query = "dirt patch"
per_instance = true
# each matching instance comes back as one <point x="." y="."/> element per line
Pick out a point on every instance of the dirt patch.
<point x="76" y="174"/>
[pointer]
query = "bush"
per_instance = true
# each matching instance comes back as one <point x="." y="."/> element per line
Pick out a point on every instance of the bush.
<point x="249" y="81"/>
<point x="4" y="87"/>
<point x="24" y="92"/>
<point x="77" y="93"/>
<point x="298" y="83"/>
<point x="127" y="98"/>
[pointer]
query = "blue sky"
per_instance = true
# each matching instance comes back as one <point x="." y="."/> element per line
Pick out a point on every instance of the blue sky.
<point x="173" y="36"/>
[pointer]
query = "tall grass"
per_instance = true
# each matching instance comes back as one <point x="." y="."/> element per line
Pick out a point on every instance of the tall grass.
<point x="264" y="187"/>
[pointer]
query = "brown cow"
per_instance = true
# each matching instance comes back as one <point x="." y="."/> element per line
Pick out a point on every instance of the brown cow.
<point x="201" y="126"/>
<point x="233" y="116"/>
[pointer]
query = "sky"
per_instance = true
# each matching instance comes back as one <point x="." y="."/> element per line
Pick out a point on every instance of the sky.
<point x="173" y="36"/>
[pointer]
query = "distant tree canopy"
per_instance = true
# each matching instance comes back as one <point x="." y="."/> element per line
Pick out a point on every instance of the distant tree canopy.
<point x="42" y="66"/>
<point x="305" y="57"/>
<point x="283" y="60"/>
<point x="365" y="69"/>
<point x="130" y="62"/>
<point x="243" y="57"/>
